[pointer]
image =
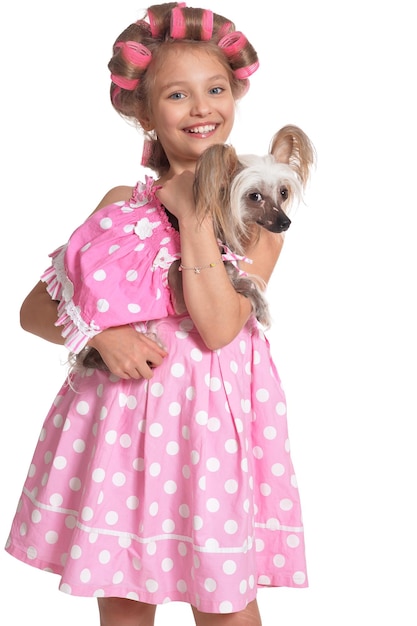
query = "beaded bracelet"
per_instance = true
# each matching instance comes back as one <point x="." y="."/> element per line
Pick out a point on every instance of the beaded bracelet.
<point x="197" y="269"/>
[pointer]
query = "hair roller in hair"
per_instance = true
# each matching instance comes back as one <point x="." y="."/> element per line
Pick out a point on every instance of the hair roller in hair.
<point x="135" y="53"/>
<point x="244" y="72"/>
<point x="178" y="26"/>
<point x="125" y="83"/>
<point x="233" y="43"/>
<point x="207" y="25"/>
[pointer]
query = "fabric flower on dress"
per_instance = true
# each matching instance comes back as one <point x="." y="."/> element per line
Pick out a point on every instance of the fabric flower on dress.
<point x="163" y="259"/>
<point x="144" y="228"/>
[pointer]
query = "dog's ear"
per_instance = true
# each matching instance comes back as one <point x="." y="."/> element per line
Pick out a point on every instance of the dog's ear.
<point x="291" y="145"/>
<point x="215" y="169"/>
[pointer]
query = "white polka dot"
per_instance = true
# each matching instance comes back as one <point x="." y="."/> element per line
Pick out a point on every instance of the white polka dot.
<point x="151" y="585"/>
<point x="213" y="464"/>
<point x="113" y="248"/>
<point x="293" y="541"/>
<point x="177" y="370"/>
<point x="231" y="485"/>
<point x="213" y="424"/>
<point x="117" y="577"/>
<point x="167" y="565"/>
<point x="262" y="395"/>
<point x="102" y="305"/>
<point x="168" y="526"/>
<point x="231" y="446"/>
<point x="279" y="560"/>
<point x="155" y="469"/>
<point x="214" y="384"/>
<point x="229" y="567"/>
<point x="278" y="469"/>
<point x="195" y="457"/>
<point x="111" y="518"/>
<point x="182" y="586"/>
<point x="31" y="553"/>
<point x="213" y="505"/>
<point x="104" y="557"/>
<point x="60" y="462"/>
<point x="273" y="523"/>
<point x="56" y="499"/>
<point x="87" y="514"/>
<point x="174" y="409"/>
<point x="131" y="275"/>
<point x="299" y="578"/>
<point x="243" y="586"/>
<point x="99" y="275"/>
<point x="85" y="576"/>
<point x="76" y="552"/>
<point x="111" y="436"/>
<point x="106" y="223"/>
<point x="156" y="429"/>
<point x="270" y="432"/>
<point x="210" y="585"/>
<point x="184" y="510"/>
<point x="264" y="580"/>
<point x="151" y="548"/>
<point x="265" y="489"/>
<point x="231" y="527"/>
<point x="125" y="441"/>
<point x="197" y="522"/>
<point x="196" y="355"/>
<point x="118" y="479"/>
<point x="82" y="407"/>
<point x="281" y="408"/>
<point x="170" y="486"/>
<point x="286" y="504"/>
<point x="246" y="406"/>
<point x="259" y="545"/>
<point x="153" y="509"/>
<point x="201" y="418"/>
<point x="225" y="607"/>
<point x="157" y="390"/>
<point x="257" y="452"/>
<point x="51" y="537"/>
<point x="75" y="484"/>
<point x="139" y="464"/>
<point x="190" y="393"/>
<point x="58" y="421"/>
<point x="182" y="548"/>
<point x="132" y="503"/>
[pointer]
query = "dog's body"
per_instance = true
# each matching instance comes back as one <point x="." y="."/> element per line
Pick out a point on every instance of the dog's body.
<point x="244" y="193"/>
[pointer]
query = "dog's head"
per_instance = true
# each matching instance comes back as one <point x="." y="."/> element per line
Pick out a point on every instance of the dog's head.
<point x="240" y="190"/>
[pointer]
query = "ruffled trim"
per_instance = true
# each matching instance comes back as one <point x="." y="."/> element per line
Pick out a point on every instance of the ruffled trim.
<point x="76" y="332"/>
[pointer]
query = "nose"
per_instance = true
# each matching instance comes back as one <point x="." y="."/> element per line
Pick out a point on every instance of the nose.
<point x="200" y="106"/>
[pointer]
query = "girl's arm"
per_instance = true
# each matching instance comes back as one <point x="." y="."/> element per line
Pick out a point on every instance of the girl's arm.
<point x="216" y="309"/>
<point x="127" y="353"/>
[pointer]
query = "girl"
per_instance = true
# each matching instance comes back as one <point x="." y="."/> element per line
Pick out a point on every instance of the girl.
<point x="167" y="475"/>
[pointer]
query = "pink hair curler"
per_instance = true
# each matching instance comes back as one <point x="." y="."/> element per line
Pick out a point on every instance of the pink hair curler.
<point x="207" y="25"/>
<point x="244" y="72"/>
<point x="125" y="83"/>
<point x="233" y="43"/>
<point x="177" y="27"/>
<point x="135" y="53"/>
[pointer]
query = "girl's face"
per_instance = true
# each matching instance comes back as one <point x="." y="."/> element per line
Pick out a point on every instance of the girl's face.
<point x="192" y="105"/>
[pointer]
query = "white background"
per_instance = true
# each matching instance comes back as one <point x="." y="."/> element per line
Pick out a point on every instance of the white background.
<point x="343" y="294"/>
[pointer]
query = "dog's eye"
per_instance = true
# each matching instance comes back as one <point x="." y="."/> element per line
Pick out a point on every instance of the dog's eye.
<point x="255" y="196"/>
<point x="284" y="193"/>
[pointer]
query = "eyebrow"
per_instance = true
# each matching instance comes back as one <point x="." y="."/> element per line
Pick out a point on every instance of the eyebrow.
<point x="181" y="83"/>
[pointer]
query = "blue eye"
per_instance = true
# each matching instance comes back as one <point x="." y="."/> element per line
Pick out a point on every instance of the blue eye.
<point x="177" y="96"/>
<point x="217" y="90"/>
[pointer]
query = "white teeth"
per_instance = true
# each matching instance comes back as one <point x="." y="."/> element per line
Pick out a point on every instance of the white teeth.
<point x="202" y="129"/>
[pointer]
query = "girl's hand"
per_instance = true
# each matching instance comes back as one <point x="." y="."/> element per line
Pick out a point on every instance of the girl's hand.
<point x="127" y="352"/>
<point x="177" y="195"/>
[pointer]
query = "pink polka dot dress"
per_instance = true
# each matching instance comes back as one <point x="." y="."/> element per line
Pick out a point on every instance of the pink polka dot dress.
<point x="180" y="488"/>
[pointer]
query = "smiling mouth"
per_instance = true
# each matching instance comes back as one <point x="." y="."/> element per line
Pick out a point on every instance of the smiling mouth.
<point x="201" y="130"/>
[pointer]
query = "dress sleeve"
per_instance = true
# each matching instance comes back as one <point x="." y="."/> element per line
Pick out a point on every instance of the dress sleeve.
<point x="113" y="271"/>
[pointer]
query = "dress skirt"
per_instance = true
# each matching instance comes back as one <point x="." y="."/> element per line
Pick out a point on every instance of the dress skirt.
<point x="180" y="488"/>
